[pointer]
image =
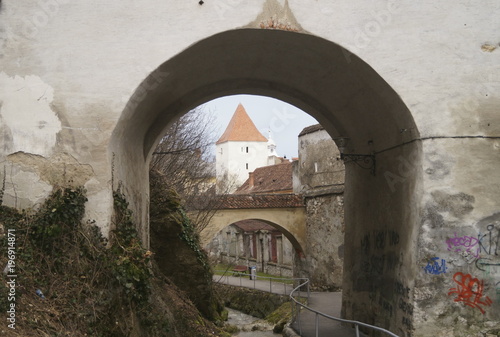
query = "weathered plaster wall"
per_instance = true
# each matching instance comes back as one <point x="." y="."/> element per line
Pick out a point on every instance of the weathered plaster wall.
<point x="459" y="240"/>
<point x="319" y="177"/>
<point x="319" y="165"/>
<point x="381" y="240"/>
<point x="69" y="68"/>
<point x="324" y="262"/>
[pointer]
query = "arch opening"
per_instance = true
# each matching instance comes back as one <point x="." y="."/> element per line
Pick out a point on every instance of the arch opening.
<point x="255" y="241"/>
<point x="233" y="218"/>
<point x="350" y="100"/>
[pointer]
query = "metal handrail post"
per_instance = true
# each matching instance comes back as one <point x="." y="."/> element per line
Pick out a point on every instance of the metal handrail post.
<point x="298" y="320"/>
<point x="318" y="313"/>
<point x="317" y="325"/>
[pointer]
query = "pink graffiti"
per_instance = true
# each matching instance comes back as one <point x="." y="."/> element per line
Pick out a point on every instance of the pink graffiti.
<point x="463" y="243"/>
<point x="470" y="291"/>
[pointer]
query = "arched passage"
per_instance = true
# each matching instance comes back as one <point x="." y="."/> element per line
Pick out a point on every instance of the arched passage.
<point x="289" y="221"/>
<point x="346" y="96"/>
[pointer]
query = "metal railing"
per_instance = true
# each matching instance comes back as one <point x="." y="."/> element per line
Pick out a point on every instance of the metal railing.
<point x="277" y="285"/>
<point x="299" y="286"/>
<point x="298" y="305"/>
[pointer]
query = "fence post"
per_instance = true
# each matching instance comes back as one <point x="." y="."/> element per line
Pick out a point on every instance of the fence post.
<point x="298" y="320"/>
<point x="317" y="325"/>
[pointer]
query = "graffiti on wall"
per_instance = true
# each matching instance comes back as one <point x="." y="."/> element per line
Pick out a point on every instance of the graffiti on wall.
<point x="380" y="259"/>
<point x="497" y="286"/>
<point x="483" y="250"/>
<point x="379" y="240"/>
<point x="486" y="265"/>
<point x="435" y="266"/>
<point x="404" y="305"/>
<point x="386" y="306"/>
<point x="488" y="242"/>
<point x="466" y="244"/>
<point x="483" y="246"/>
<point x="470" y="291"/>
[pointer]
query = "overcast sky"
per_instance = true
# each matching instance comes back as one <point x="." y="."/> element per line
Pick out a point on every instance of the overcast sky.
<point x="284" y="120"/>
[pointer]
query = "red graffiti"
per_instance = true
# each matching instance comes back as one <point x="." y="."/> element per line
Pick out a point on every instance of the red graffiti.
<point x="470" y="291"/>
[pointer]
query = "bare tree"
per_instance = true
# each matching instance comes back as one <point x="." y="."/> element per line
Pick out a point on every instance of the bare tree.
<point x="183" y="157"/>
<point x="183" y="154"/>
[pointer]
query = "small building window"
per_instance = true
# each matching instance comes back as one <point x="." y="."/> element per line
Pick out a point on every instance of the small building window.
<point x="247" y="149"/>
<point x="246" y="165"/>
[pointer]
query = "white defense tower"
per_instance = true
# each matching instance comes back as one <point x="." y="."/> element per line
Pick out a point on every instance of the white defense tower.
<point x="240" y="150"/>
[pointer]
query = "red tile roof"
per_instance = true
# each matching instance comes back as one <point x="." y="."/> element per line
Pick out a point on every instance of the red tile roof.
<point x="310" y="129"/>
<point x="250" y="201"/>
<point x="269" y="179"/>
<point x="241" y="128"/>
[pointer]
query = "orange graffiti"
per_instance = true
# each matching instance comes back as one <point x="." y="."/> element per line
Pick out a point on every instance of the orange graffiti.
<point x="469" y="291"/>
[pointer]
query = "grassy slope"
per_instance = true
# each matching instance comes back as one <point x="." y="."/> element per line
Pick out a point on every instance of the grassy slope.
<point x="92" y="287"/>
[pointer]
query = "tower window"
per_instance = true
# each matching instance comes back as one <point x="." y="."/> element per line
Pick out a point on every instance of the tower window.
<point x="246" y="165"/>
<point x="247" y="149"/>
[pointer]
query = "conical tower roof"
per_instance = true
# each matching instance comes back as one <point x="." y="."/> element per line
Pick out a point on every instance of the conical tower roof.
<point x="241" y="128"/>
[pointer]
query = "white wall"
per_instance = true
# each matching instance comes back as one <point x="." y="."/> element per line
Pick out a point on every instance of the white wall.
<point x="237" y="162"/>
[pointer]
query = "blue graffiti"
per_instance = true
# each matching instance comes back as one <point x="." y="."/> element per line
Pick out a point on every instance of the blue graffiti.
<point x="433" y="266"/>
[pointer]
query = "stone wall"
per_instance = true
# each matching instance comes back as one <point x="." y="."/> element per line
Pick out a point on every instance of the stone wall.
<point x="250" y="301"/>
<point x="325" y="235"/>
<point x="319" y="177"/>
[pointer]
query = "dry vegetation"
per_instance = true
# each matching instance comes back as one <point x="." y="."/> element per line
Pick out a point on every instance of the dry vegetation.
<point x="91" y="287"/>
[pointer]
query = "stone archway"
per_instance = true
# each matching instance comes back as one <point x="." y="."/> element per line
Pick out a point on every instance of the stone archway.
<point x="241" y="239"/>
<point x="289" y="221"/>
<point x="347" y="97"/>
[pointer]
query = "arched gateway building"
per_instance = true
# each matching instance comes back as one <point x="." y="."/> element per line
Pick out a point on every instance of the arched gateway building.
<point x="411" y="88"/>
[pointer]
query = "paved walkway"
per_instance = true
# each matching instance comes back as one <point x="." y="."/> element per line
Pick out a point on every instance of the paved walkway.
<point x="328" y="303"/>
<point x="263" y="285"/>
